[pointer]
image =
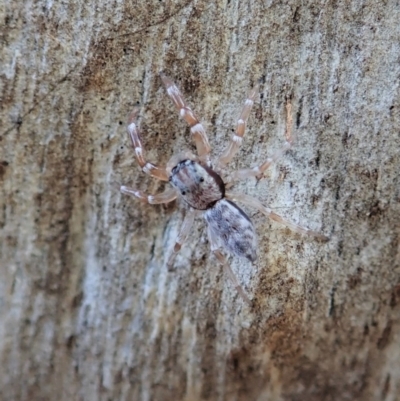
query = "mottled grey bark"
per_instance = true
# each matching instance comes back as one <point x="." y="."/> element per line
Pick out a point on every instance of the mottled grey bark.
<point x="88" y="310"/>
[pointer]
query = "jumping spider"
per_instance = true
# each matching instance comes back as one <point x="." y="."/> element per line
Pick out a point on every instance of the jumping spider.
<point x="197" y="180"/>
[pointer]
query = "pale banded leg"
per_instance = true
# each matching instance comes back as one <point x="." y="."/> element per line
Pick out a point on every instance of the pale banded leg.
<point x="253" y="202"/>
<point x="222" y="259"/>
<point x="164" y="197"/>
<point x="134" y="134"/>
<point x="182" y="236"/>
<point x="237" y="137"/>
<point x="259" y="170"/>
<point x="196" y="128"/>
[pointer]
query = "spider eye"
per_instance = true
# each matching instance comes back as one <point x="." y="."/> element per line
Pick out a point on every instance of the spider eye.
<point x="183" y="193"/>
<point x="201" y="179"/>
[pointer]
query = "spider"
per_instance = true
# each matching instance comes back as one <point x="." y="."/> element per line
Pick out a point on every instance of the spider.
<point x="198" y="181"/>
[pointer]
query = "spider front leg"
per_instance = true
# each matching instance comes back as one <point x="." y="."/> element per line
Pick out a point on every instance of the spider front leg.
<point x="237" y="137"/>
<point x="164" y="197"/>
<point x="134" y="134"/>
<point x="255" y="203"/>
<point x="182" y="236"/>
<point x="196" y="128"/>
<point x="214" y="244"/>
<point x="259" y="170"/>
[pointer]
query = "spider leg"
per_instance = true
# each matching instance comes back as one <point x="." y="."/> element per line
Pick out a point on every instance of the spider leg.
<point x="255" y="203"/>
<point x="164" y="197"/>
<point x="134" y="134"/>
<point x="228" y="270"/>
<point x="237" y="137"/>
<point x="259" y="170"/>
<point x="196" y="128"/>
<point x="182" y="236"/>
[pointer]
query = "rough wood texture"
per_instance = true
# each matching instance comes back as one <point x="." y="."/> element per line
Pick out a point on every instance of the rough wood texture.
<point x="88" y="310"/>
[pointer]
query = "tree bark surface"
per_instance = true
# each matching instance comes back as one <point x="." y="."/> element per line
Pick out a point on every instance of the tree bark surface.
<point x="88" y="310"/>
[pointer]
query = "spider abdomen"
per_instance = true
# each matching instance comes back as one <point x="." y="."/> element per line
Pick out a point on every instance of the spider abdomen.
<point x="233" y="228"/>
<point x="199" y="185"/>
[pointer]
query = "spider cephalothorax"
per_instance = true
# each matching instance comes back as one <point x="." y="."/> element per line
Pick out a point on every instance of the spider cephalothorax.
<point x="200" y="186"/>
<point x="203" y="190"/>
